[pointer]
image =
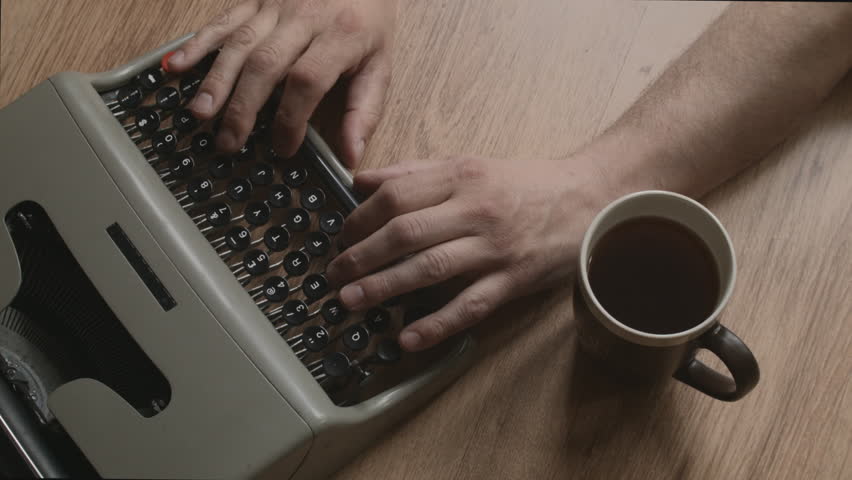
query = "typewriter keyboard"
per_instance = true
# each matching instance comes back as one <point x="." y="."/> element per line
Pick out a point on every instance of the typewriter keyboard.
<point x="274" y="222"/>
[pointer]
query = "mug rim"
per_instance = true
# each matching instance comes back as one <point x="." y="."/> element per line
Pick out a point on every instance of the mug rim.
<point x="631" y="334"/>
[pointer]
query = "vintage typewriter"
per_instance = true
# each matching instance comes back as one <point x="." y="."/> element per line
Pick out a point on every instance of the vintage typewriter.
<point x="163" y="309"/>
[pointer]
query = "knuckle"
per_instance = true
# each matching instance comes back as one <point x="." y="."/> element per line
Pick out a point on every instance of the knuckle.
<point x="215" y="78"/>
<point x="404" y="231"/>
<point x="237" y="113"/>
<point x="264" y="60"/>
<point x="348" y="263"/>
<point x="471" y="169"/>
<point x="305" y="75"/>
<point x="438" y="328"/>
<point x="474" y="308"/>
<point x="378" y="287"/>
<point x="485" y="211"/>
<point x="221" y="20"/>
<point x="243" y="37"/>
<point x="436" y="265"/>
<point x="349" y="21"/>
<point x="391" y="197"/>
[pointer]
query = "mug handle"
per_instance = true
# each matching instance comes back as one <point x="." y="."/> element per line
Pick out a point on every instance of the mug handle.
<point x="734" y="354"/>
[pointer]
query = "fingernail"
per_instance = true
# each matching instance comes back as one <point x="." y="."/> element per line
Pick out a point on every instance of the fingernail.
<point x="227" y="140"/>
<point x="352" y="295"/>
<point x="203" y="103"/>
<point x="410" y="339"/>
<point x="176" y="59"/>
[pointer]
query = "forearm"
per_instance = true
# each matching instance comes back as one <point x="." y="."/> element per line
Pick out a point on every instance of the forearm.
<point x="737" y="92"/>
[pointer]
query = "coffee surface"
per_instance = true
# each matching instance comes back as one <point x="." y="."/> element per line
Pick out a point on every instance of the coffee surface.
<point x="654" y="275"/>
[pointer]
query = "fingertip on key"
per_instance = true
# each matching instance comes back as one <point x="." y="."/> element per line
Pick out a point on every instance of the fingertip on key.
<point x="172" y="60"/>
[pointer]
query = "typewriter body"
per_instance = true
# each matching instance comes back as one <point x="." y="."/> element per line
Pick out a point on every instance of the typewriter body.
<point x="144" y="329"/>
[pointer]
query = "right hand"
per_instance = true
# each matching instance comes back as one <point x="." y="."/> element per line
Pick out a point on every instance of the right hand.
<point x="307" y="44"/>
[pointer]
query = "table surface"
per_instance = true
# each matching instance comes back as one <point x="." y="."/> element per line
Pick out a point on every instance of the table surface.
<point x="498" y="78"/>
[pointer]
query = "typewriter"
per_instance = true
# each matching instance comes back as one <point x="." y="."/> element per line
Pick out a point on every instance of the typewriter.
<point x="163" y="309"/>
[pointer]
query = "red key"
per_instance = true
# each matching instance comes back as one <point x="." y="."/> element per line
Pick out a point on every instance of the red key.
<point x="165" y="61"/>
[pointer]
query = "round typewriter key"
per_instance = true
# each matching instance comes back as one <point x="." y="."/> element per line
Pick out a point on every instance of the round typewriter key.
<point x="295" y="312"/>
<point x="238" y="238"/>
<point x="314" y="338"/>
<point x="257" y="213"/>
<point x="297" y="219"/>
<point x="315" y="286"/>
<point x="336" y="365"/>
<point x="317" y="244"/>
<point x="276" y="289"/>
<point x="184" y="121"/>
<point x="333" y="312"/>
<point x="295" y="177"/>
<point x="199" y="189"/>
<point x="164" y="141"/>
<point x="261" y="174"/>
<point x="147" y="120"/>
<point x="356" y="337"/>
<point x="246" y="152"/>
<point x="313" y="198"/>
<point x="151" y="79"/>
<point x="279" y="196"/>
<point x="377" y="319"/>
<point x="276" y="238"/>
<point x="219" y="214"/>
<point x="388" y="351"/>
<point x="189" y="84"/>
<point x="256" y="262"/>
<point x="181" y="166"/>
<point x="129" y="97"/>
<point x="296" y="263"/>
<point x="202" y="142"/>
<point x="168" y="98"/>
<point x="221" y="167"/>
<point x="239" y="189"/>
<point x="331" y="222"/>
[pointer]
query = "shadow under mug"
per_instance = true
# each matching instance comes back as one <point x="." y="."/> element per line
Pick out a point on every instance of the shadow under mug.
<point x="638" y="355"/>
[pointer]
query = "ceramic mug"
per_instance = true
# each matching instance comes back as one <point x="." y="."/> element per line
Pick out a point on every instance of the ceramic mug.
<point x="641" y="355"/>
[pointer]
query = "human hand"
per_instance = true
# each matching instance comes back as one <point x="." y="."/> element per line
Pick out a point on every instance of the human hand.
<point x="509" y="228"/>
<point x="308" y="44"/>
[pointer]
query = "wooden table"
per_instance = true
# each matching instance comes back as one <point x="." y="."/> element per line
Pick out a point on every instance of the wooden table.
<point x="521" y="79"/>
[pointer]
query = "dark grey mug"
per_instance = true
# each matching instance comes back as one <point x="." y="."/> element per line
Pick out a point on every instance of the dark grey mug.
<point x="640" y="355"/>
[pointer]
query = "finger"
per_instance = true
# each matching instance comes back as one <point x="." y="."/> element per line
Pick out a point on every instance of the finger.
<point x="471" y="306"/>
<point x="364" y="107"/>
<point x="211" y="35"/>
<point x="394" y="198"/>
<point x="369" y="181"/>
<point x="263" y="70"/>
<point x="401" y="236"/>
<point x="310" y="78"/>
<point x="428" y="267"/>
<point x="219" y="81"/>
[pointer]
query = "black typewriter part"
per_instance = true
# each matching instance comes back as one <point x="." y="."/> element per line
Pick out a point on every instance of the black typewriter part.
<point x="274" y="222"/>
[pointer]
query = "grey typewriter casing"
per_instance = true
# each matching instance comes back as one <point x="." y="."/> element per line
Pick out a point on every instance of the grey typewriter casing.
<point x="242" y="403"/>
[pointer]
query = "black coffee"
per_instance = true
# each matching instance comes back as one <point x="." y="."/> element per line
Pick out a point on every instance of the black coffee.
<point x="654" y="275"/>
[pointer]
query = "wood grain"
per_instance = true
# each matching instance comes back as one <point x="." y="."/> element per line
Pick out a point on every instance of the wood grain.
<point x="514" y="79"/>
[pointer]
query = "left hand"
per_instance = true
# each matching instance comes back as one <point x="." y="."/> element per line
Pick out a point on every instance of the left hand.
<point x="510" y="228"/>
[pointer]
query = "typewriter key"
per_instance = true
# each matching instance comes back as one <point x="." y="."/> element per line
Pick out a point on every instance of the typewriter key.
<point x="314" y="287"/>
<point x="296" y="263"/>
<point x="246" y="152"/>
<point x="199" y="189"/>
<point x="333" y="312"/>
<point x="388" y="351"/>
<point x="164" y="141"/>
<point x="189" y="84"/>
<point x="181" y="166"/>
<point x="313" y="198"/>
<point x="256" y="262"/>
<point x="129" y="97"/>
<point x="377" y="319"/>
<point x="147" y="120"/>
<point x="219" y="214"/>
<point x="221" y="167"/>
<point x="168" y="98"/>
<point x="261" y="174"/>
<point x="356" y="337"/>
<point x="202" y="142"/>
<point x="295" y="312"/>
<point x="239" y="189"/>
<point x="238" y="238"/>
<point x="279" y="196"/>
<point x="184" y="121"/>
<point x="317" y="244"/>
<point x="151" y="79"/>
<point x="297" y="219"/>
<point x="314" y="338"/>
<point x="276" y="289"/>
<point x="257" y="213"/>
<point x="331" y="222"/>
<point x="336" y="365"/>
<point x="295" y="177"/>
<point x="276" y="238"/>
